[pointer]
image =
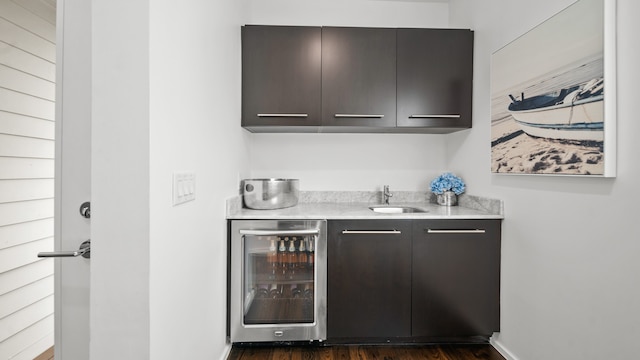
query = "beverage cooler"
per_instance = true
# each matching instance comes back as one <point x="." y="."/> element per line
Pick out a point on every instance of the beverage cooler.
<point x="278" y="280"/>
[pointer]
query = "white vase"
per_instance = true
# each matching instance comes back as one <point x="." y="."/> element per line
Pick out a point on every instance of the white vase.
<point x="447" y="198"/>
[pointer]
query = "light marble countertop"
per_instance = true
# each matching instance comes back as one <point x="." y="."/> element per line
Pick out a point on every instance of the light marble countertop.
<point x="355" y="205"/>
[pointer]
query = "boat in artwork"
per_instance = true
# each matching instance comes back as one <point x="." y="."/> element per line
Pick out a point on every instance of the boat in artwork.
<point x="575" y="113"/>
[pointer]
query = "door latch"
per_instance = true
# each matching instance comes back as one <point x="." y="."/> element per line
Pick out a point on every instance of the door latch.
<point x="85" y="209"/>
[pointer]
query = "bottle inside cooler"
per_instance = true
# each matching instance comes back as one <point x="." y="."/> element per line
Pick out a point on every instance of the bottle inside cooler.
<point x="311" y="256"/>
<point x="272" y="259"/>
<point x="292" y="259"/>
<point x="282" y="258"/>
<point x="303" y="257"/>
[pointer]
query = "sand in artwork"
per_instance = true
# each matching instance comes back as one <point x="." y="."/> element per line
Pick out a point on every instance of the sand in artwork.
<point x="513" y="151"/>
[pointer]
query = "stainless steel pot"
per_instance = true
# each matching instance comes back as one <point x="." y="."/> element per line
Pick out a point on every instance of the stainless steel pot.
<point x="267" y="194"/>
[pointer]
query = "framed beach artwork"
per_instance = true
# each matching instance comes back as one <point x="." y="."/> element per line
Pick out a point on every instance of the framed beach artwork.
<point x="553" y="107"/>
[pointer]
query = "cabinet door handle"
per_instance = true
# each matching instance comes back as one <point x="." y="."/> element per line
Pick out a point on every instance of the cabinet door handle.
<point x="371" y="232"/>
<point x="456" y="231"/>
<point x="358" y="115"/>
<point x="279" y="232"/>
<point x="284" y="115"/>
<point x="421" y="116"/>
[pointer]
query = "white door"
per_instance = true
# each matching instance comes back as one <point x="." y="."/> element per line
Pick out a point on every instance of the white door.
<point x="73" y="177"/>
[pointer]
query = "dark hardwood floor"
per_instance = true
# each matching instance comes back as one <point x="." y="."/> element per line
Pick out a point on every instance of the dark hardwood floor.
<point x="367" y="352"/>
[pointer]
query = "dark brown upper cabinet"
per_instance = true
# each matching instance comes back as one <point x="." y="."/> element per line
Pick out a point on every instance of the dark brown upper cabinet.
<point x="348" y="79"/>
<point x="435" y="79"/>
<point x="358" y="77"/>
<point x="281" y="78"/>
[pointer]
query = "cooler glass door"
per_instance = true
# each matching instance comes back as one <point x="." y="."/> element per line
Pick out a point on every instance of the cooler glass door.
<point x="278" y="279"/>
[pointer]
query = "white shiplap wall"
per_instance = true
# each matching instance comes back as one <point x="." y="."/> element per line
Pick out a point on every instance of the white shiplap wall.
<point x="27" y="109"/>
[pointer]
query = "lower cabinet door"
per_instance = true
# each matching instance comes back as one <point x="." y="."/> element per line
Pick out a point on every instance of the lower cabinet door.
<point x="369" y="279"/>
<point x="456" y="278"/>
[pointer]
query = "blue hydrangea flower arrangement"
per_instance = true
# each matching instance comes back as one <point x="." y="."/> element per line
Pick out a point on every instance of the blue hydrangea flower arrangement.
<point x="447" y="182"/>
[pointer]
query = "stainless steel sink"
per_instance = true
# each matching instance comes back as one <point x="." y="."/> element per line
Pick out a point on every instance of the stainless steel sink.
<point x="396" y="209"/>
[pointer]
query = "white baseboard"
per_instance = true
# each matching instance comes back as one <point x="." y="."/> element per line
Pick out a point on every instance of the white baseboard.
<point x="497" y="344"/>
<point x="225" y="352"/>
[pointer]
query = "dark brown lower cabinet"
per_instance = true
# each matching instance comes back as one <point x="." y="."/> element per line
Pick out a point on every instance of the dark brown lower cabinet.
<point x="413" y="280"/>
<point x="456" y="278"/>
<point x="369" y="279"/>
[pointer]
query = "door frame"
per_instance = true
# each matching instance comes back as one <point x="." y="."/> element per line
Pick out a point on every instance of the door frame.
<point x="72" y="177"/>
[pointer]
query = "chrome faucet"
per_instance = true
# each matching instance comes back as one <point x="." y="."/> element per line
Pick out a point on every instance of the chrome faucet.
<point x="386" y="194"/>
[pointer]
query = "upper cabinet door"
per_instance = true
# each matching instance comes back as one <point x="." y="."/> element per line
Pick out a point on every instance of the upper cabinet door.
<point x="358" y="77"/>
<point x="281" y="76"/>
<point x="435" y="78"/>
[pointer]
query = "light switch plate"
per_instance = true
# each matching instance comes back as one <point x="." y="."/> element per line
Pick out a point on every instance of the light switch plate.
<point x="184" y="187"/>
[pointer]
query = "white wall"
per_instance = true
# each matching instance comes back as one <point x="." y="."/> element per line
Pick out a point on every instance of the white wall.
<point x="166" y="88"/>
<point x="570" y="245"/>
<point x="349" y="161"/>
<point x="195" y="110"/>
<point x="374" y="13"/>
<point x="27" y="112"/>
